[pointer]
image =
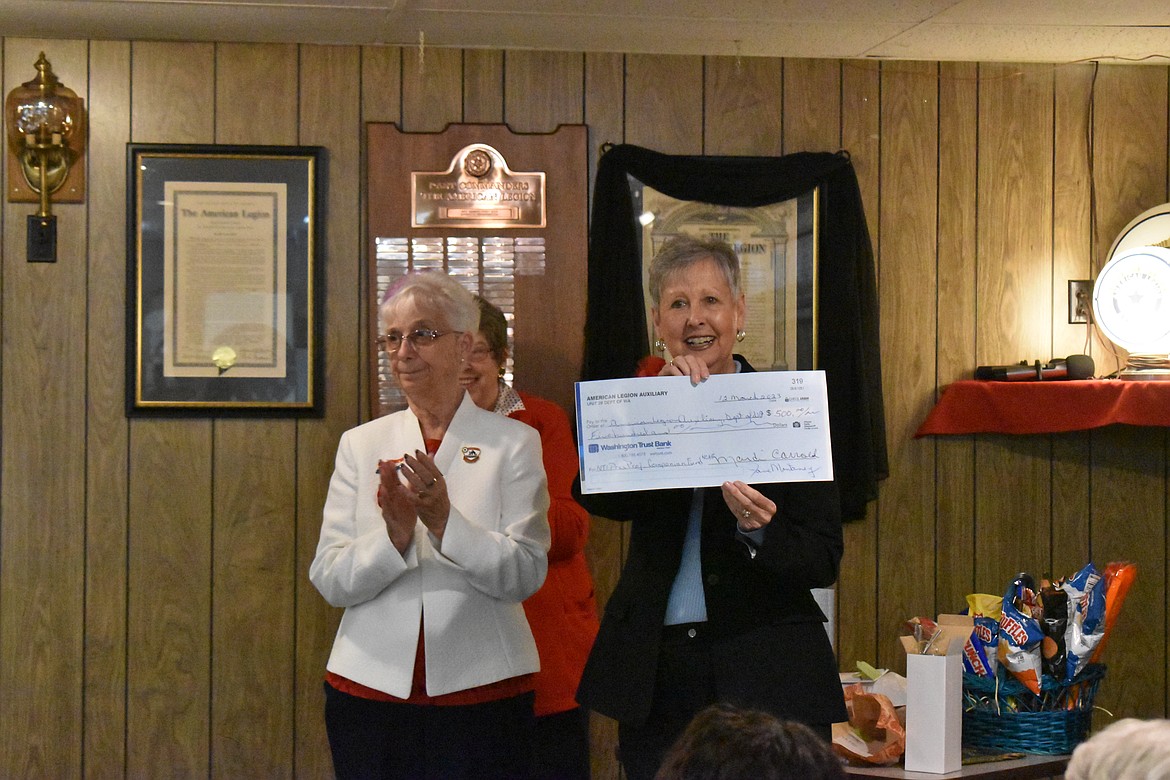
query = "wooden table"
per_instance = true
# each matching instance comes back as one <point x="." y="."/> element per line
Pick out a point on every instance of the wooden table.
<point x="1028" y="768"/>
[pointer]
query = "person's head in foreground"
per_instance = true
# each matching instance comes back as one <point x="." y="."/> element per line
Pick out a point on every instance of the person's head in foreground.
<point x="1129" y="749"/>
<point x="724" y="742"/>
<point x="697" y="303"/>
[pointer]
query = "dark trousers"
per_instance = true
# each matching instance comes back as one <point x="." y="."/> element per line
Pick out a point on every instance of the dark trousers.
<point x="684" y="685"/>
<point x="562" y="746"/>
<point x="373" y="740"/>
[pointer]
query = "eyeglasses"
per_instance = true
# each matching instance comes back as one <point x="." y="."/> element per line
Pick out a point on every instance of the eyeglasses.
<point x="482" y="354"/>
<point x="420" y="338"/>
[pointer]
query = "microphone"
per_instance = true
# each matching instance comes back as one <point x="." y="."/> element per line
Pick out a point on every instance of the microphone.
<point x="1071" y="367"/>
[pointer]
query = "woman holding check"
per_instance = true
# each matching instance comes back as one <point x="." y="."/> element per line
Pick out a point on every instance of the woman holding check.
<point x="435" y="530"/>
<point x="714" y="603"/>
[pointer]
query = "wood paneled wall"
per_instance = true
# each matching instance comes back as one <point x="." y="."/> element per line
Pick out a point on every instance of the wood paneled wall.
<point x="155" y="613"/>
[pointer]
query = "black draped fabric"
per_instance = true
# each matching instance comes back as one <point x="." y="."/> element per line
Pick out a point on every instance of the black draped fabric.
<point x="847" y="329"/>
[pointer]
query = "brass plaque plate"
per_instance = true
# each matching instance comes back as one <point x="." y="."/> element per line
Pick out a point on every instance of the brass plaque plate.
<point x="478" y="190"/>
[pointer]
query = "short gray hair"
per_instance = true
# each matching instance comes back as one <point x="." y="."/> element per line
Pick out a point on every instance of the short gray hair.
<point x="682" y="251"/>
<point x="1128" y="748"/>
<point x="437" y="293"/>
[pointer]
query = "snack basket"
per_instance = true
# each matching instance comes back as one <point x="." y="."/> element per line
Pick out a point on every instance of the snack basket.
<point x="1001" y="715"/>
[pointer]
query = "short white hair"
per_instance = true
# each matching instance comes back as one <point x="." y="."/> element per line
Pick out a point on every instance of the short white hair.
<point x="437" y="293"/>
<point x="1129" y="749"/>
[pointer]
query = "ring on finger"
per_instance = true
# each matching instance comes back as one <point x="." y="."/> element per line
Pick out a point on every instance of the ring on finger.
<point x="746" y="513"/>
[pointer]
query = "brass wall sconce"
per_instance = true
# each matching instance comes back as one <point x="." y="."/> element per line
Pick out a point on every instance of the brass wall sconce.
<point x="46" y="138"/>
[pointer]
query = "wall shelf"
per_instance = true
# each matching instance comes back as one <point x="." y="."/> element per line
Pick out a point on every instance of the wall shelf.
<point x="974" y="406"/>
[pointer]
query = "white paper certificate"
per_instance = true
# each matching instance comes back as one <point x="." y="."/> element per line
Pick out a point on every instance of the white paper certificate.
<point x="225" y="282"/>
<point x="662" y="432"/>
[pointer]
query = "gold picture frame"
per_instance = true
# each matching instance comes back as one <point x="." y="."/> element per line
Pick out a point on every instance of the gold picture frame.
<point x="223" y="280"/>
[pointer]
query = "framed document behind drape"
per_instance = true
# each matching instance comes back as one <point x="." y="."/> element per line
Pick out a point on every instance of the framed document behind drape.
<point x="223" y="273"/>
<point x="776" y="244"/>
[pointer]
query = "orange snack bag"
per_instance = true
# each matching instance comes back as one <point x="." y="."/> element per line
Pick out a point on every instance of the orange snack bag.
<point x="874" y="733"/>
<point x="1119" y="576"/>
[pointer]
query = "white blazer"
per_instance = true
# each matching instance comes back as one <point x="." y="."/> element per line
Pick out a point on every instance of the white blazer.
<point x="468" y="590"/>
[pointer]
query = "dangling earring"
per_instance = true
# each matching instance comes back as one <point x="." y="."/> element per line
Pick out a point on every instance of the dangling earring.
<point x="659" y="345"/>
<point x="740" y="334"/>
<point x="501" y="372"/>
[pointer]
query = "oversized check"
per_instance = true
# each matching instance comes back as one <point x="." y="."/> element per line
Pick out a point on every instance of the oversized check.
<point x="663" y="432"/>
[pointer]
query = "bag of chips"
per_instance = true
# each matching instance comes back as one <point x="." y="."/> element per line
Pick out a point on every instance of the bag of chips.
<point x="1086" y="621"/>
<point x="1054" y="622"/>
<point x="874" y="734"/>
<point x="979" y="653"/>
<point x="1119" y="576"/>
<point x="1020" y="634"/>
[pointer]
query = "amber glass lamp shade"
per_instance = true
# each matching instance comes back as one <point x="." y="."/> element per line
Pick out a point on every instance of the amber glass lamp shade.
<point x="45" y="132"/>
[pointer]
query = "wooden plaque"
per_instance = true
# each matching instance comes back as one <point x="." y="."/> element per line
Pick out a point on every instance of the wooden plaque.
<point x="548" y="276"/>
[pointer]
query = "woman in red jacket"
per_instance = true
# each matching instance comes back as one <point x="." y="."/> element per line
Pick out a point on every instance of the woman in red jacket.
<point x="562" y="614"/>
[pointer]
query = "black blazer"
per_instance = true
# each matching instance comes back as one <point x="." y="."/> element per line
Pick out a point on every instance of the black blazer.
<point x="771" y="648"/>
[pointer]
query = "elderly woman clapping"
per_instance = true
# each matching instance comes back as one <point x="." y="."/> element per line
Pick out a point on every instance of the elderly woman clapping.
<point x="435" y="530"/>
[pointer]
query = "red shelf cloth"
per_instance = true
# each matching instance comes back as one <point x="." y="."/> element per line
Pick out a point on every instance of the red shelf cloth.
<point x="975" y="406"/>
